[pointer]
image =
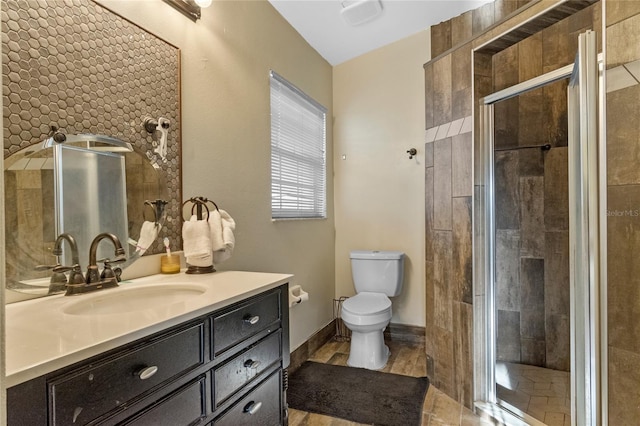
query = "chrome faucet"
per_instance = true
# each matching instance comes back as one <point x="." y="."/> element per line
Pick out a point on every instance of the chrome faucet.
<point x="93" y="274"/>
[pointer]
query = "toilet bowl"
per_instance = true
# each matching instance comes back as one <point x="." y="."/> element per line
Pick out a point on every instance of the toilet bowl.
<point x="377" y="275"/>
<point x="367" y="315"/>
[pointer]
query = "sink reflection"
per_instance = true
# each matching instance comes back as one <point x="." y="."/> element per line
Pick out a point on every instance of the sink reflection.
<point x="126" y="300"/>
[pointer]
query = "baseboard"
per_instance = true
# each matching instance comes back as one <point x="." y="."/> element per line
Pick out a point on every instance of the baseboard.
<point x="302" y="353"/>
<point x="405" y="333"/>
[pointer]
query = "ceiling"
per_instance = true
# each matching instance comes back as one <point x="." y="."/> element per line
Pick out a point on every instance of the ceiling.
<point x="322" y="26"/>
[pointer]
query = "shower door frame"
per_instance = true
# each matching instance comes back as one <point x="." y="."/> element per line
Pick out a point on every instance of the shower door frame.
<point x="587" y="220"/>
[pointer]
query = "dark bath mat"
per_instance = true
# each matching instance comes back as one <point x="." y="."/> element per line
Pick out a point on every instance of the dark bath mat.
<point x="357" y="394"/>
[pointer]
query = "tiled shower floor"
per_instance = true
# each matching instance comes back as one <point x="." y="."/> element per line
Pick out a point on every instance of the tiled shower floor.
<point x="540" y="392"/>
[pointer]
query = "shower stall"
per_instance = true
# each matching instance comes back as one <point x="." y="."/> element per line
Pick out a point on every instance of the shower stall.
<point x="472" y="331"/>
<point x="536" y="243"/>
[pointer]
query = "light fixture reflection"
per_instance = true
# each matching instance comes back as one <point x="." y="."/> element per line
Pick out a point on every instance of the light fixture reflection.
<point x="190" y="8"/>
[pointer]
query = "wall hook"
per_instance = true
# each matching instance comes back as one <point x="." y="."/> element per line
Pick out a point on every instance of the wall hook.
<point x="412" y="152"/>
<point x="158" y="129"/>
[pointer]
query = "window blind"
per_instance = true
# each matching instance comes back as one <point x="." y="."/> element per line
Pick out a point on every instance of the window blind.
<point x="298" y="146"/>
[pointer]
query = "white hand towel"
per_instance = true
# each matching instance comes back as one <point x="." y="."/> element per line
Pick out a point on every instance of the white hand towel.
<point x="202" y="261"/>
<point x="196" y="242"/>
<point x="215" y="226"/>
<point x="148" y="234"/>
<point x="228" y="225"/>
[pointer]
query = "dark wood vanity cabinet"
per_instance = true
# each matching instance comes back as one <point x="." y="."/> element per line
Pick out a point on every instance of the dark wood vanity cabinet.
<point x="223" y="368"/>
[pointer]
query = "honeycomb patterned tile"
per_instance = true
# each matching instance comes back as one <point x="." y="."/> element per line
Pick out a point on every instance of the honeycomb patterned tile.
<point x="84" y="69"/>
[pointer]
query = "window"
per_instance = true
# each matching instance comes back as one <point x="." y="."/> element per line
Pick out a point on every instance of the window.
<point x="298" y="141"/>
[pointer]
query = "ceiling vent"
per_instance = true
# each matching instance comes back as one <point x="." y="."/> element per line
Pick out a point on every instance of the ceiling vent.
<point x="359" y="12"/>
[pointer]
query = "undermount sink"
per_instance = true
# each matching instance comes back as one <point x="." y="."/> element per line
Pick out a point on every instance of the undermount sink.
<point x="127" y="300"/>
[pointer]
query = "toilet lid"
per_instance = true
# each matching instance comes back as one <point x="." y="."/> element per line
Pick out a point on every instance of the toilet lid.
<point x="367" y="303"/>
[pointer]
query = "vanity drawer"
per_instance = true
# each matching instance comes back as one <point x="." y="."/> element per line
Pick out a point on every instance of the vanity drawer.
<point x="234" y="326"/>
<point x="245" y="367"/>
<point x="184" y="407"/>
<point x="92" y="391"/>
<point x="262" y="406"/>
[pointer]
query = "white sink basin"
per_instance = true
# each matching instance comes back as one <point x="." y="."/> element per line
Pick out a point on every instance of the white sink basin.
<point x="125" y="300"/>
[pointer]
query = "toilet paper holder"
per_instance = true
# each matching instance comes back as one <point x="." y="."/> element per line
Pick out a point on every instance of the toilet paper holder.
<point x="297" y="295"/>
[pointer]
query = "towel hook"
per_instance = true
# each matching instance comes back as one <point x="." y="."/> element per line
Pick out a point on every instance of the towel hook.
<point x="412" y="152"/>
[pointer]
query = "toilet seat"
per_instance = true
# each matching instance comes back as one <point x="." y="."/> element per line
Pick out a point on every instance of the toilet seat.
<point x="366" y="309"/>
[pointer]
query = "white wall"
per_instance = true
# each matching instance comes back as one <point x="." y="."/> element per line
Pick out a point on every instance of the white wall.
<point x="379" y="192"/>
<point x="226" y="58"/>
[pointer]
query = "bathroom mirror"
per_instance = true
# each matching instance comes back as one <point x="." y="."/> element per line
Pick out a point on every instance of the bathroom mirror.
<point x="87" y="185"/>
<point x="119" y="82"/>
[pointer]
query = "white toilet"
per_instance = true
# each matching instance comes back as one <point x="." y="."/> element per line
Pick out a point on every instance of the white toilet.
<point x="376" y="275"/>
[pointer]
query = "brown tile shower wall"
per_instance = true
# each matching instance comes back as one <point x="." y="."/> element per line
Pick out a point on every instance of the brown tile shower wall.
<point x="448" y="98"/>
<point x="80" y="67"/>
<point x="449" y="322"/>
<point x="623" y="215"/>
<point x="532" y="263"/>
<point x="463" y="28"/>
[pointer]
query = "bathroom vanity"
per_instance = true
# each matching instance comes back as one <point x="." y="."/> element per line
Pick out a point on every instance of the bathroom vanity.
<point x="205" y="350"/>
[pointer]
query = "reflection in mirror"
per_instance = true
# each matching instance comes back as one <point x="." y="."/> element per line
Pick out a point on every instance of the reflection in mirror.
<point x="87" y="185"/>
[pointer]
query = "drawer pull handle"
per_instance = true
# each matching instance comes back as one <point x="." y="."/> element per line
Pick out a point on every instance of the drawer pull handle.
<point x="251" y="363"/>
<point x="147" y="372"/>
<point x="253" y="320"/>
<point x="252" y="407"/>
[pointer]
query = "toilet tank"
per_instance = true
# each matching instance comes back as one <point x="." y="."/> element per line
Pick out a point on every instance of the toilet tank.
<point x="377" y="271"/>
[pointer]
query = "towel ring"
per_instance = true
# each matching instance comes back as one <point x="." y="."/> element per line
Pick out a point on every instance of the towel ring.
<point x="144" y="211"/>
<point x="205" y="201"/>
<point x="199" y="202"/>
<point x="199" y="210"/>
<point x="195" y="204"/>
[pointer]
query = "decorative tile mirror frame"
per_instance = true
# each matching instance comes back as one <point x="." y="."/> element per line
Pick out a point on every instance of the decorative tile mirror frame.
<point x="84" y="69"/>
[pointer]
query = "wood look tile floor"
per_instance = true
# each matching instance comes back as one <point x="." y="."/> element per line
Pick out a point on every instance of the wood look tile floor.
<point x="407" y="359"/>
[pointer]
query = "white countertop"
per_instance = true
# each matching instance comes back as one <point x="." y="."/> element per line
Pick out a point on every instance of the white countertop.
<point x="41" y="337"/>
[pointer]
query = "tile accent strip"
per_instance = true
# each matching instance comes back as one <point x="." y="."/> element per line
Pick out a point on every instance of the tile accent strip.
<point x="448" y="130"/>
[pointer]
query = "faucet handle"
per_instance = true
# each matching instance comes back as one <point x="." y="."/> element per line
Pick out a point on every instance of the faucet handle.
<point x="47" y="267"/>
<point x="108" y="262"/>
<point x="75" y="277"/>
<point x="108" y="272"/>
<point x="61" y="268"/>
<point x="58" y="275"/>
